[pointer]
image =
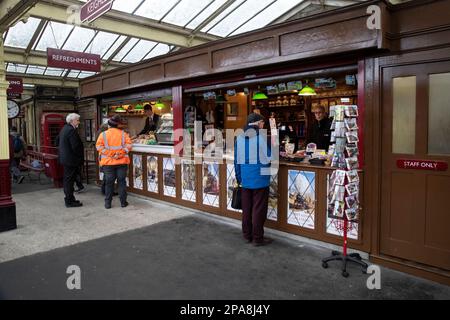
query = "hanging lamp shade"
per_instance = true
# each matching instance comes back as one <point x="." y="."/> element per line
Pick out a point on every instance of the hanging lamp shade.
<point x="159" y="105"/>
<point x="139" y="107"/>
<point x="220" y="99"/>
<point x="120" y="109"/>
<point x="307" y="91"/>
<point x="259" y="96"/>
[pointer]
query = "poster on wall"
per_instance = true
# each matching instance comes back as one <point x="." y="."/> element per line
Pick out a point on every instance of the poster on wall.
<point x="188" y="189"/>
<point x="152" y="174"/>
<point x="169" y="178"/>
<point x="137" y="172"/>
<point x="301" y="198"/>
<point x="210" y="179"/>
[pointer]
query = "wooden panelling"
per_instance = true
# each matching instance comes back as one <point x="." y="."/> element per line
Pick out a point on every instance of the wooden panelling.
<point x="244" y="53"/>
<point x="146" y="75"/>
<point x="115" y="82"/>
<point x="353" y="32"/>
<point x="191" y="66"/>
<point x="91" y="88"/>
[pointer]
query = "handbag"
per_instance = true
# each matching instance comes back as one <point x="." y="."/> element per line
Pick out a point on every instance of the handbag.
<point x="236" y="199"/>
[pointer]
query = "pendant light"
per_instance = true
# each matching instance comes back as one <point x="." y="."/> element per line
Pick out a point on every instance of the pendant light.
<point x="159" y="104"/>
<point x="307" y="91"/>
<point x="259" y="95"/>
<point x="220" y="98"/>
<point x="120" y="109"/>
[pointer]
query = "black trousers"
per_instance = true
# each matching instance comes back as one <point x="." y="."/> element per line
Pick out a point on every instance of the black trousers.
<point x="70" y="175"/>
<point x="111" y="173"/>
<point x="79" y="180"/>
<point x="255" y="203"/>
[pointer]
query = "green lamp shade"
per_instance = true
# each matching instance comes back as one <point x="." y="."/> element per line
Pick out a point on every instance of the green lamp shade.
<point x="159" y="105"/>
<point x="139" y="107"/>
<point x="220" y="99"/>
<point x="307" y="91"/>
<point x="120" y="109"/>
<point x="259" y="96"/>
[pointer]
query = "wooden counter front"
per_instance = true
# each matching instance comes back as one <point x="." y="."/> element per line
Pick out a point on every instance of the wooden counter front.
<point x="297" y="201"/>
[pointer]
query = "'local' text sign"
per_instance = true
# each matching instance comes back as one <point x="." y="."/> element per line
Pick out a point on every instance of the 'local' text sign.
<point x="15" y="85"/>
<point x="422" y="164"/>
<point x="94" y="9"/>
<point x="73" y="60"/>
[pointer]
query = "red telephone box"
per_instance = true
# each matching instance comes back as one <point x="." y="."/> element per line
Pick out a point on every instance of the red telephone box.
<point x="51" y="125"/>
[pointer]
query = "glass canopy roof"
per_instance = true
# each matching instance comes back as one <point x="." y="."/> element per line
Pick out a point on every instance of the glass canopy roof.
<point x="195" y="16"/>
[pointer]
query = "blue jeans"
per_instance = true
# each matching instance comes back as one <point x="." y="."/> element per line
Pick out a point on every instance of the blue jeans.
<point x="111" y="173"/>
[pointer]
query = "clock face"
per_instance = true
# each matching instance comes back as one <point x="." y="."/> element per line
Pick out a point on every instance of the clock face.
<point x="13" y="109"/>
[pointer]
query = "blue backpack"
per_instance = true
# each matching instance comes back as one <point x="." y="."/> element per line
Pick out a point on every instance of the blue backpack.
<point x="18" y="144"/>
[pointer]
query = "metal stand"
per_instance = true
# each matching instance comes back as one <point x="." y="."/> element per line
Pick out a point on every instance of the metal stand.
<point x="344" y="257"/>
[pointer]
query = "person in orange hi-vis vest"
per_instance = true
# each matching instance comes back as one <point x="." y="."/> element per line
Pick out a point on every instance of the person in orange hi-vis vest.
<point x="113" y="146"/>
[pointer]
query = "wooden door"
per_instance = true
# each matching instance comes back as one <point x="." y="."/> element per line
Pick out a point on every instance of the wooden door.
<point x="415" y="208"/>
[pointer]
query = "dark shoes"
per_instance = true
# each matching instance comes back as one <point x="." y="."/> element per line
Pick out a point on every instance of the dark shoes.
<point x="265" y="242"/>
<point x="74" y="204"/>
<point x="107" y="205"/>
<point x="125" y="204"/>
<point x="247" y="240"/>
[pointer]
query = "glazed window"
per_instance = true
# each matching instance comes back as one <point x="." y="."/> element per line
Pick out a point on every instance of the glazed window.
<point x="404" y="115"/>
<point x="439" y="114"/>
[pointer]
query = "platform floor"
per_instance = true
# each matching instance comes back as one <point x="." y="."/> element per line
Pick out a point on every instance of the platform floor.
<point x="152" y="250"/>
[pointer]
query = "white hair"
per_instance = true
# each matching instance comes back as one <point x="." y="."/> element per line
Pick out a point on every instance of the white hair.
<point x="72" y="116"/>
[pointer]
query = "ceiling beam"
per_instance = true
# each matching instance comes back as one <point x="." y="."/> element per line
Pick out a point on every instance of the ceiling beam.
<point x="122" y="23"/>
<point x="292" y="12"/>
<point x="38" y="58"/>
<point x="46" y="80"/>
<point x="13" y="10"/>
<point x="335" y="3"/>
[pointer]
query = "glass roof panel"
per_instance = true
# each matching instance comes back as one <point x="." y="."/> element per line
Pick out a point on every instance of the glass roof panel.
<point x="160" y="49"/>
<point x="79" y="39"/>
<point x="237" y="17"/>
<point x="222" y="15"/>
<point x="205" y="14"/>
<point x="126" y="5"/>
<point x="21" y="34"/>
<point x="60" y="32"/>
<point x="185" y="11"/>
<point x="102" y="42"/>
<point x="155" y="9"/>
<point x="114" y="47"/>
<point x="275" y="10"/>
<point x="14" y="67"/>
<point x="139" y="51"/>
<point x="85" y="74"/>
<point x="54" y="72"/>
<point x="123" y="52"/>
<point x="35" y="70"/>
<point x="73" y="74"/>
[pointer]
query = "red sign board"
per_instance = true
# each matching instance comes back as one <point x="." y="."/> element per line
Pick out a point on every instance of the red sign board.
<point x="15" y="85"/>
<point x="422" y="164"/>
<point x="94" y="9"/>
<point x="73" y="60"/>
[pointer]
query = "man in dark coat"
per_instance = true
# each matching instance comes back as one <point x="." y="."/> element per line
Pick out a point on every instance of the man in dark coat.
<point x="71" y="156"/>
<point x="151" y="122"/>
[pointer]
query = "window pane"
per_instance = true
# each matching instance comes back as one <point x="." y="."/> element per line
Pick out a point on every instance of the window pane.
<point x="274" y="11"/>
<point x="404" y="115"/>
<point x="439" y="114"/>
<point x="19" y="68"/>
<point x="126" y="6"/>
<point x="79" y="39"/>
<point x="21" y="34"/>
<point x="53" y="72"/>
<point x="73" y="74"/>
<point x="185" y="11"/>
<point x="155" y="9"/>
<point x="222" y="15"/>
<point x="124" y="51"/>
<point x="139" y="51"/>
<point x="205" y="14"/>
<point x="160" y="49"/>
<point x="237" y="17"/>
<point x="114" y="47"/>
<point x="101" y="43"/>
<point x="35" y="70"/>
<point x="56" y="38"/>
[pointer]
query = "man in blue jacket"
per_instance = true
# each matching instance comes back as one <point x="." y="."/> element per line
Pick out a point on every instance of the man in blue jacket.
<point x="252" y="167"/>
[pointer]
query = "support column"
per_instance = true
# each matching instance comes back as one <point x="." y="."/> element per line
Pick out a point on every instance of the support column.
<point x="7" y="205"/>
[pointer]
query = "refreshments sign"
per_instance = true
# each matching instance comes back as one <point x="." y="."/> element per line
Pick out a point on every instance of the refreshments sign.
<point x="73" y="60"/>
<point x="422" y="164"/>
<point x="15" y="85"/>
<point x="94" y="9"/>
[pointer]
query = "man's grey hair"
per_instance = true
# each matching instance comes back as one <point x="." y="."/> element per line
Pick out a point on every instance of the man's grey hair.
<point x="72" y="116"/>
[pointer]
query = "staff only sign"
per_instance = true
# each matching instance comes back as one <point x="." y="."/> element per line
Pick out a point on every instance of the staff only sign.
<point x="422" y="164"/>
<point x="94" y="9"/>
<point x="73" y="60"/>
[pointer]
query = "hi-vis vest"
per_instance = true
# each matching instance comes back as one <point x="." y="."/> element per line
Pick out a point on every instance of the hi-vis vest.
<point x="113" y="146"/>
